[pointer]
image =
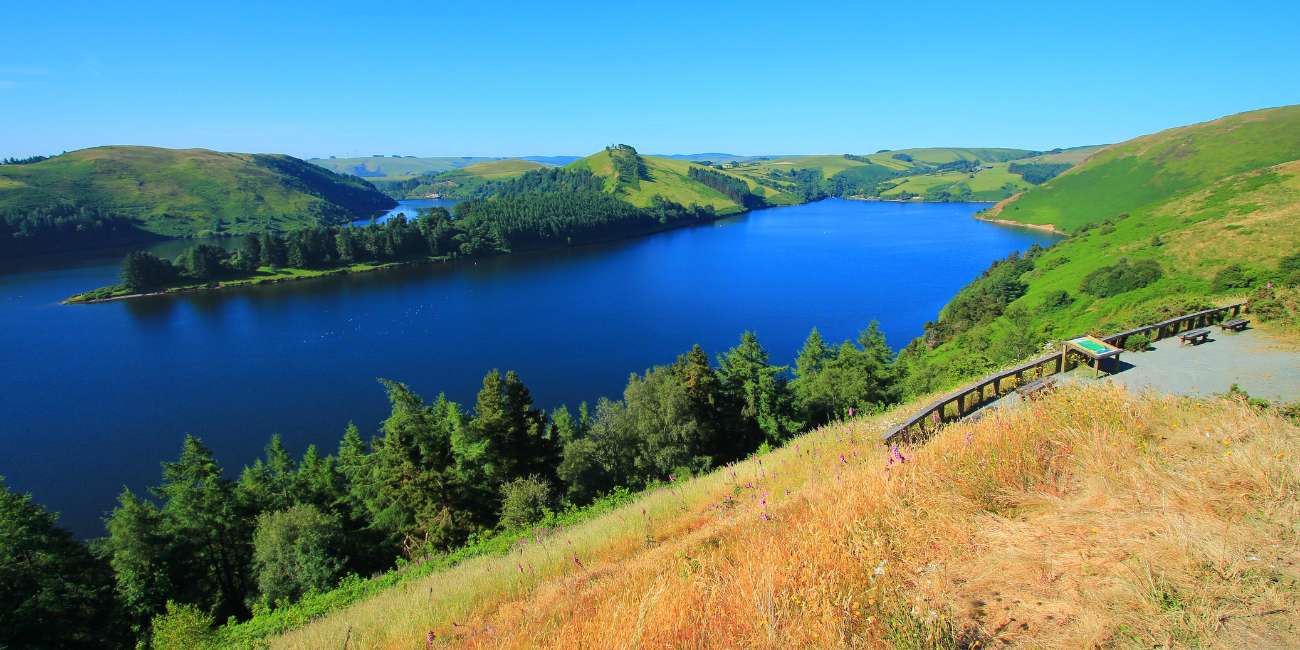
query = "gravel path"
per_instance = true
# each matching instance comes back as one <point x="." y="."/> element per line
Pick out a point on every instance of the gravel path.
<point x="1261" y="364"/>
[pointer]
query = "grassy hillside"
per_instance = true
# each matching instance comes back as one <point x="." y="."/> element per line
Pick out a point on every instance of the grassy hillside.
<point x="185" y="192"/>
<point x="396" y="168"/>
<point x="463" y="182"/>
<point x="668" y="178"/>
<point x="1214" y="206"/>
<point x="932" y="174"/>
<point x="498" y="169"/>
<point x="379" y="169"/>
<point x="1155" y="170"/>
<point x="1091" y="517"/>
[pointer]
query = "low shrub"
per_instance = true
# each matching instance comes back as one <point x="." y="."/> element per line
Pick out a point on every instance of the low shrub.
<point x="182" y="627"/>
<point x="1231" y="277"/>
<point x="1137" y="343"/>
<point x="524" y="501"/>
<point x="1121" y="277"/>
<point x="1057" y="299"/>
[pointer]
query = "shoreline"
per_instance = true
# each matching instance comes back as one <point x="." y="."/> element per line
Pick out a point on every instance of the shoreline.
<point x="1045" y="227"/>
<point x="298" y="275"/>
<point x="304" y="274"/>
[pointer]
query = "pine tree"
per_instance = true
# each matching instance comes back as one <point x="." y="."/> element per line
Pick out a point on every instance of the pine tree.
<point x="53" y="592"/>
<point x="535" y="452"/>
<point x="201" y="516"/>
<point x="808" y="369"/>
<point x="355" y="467"/>
<point x="713" y="435"/>
<point x="319" y="482"/>
<point x="270" y="484"/>
<point x="145" y="564"/>
<point x="758" y="389"/>
<point x="416" y="494"/>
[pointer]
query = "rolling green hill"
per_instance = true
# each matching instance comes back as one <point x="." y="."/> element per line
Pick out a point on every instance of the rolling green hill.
<point x="396" y="168"/>
<point x="1159" y="225"/>
<point x="172" y="193"/>
<point x="465" y="182"/>
<point x="383" y="169"/>
<point x="1154" y="169"/>
<point x="669" y="178"/>
<point x="929" y="174"/>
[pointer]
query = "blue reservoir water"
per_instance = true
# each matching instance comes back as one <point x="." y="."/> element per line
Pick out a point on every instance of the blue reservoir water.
<point x="94" y="397"/>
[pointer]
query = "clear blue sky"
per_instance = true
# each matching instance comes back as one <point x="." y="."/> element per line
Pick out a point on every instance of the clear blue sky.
<point x="489" y="78"/>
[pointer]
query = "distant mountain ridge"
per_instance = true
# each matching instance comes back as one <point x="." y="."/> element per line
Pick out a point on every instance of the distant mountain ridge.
<point x="400" y="168"/>
<point x="84" y="196"/>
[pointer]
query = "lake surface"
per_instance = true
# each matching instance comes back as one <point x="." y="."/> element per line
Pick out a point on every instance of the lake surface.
<point x="410" y="209"/>
<point x="94" y="397"/>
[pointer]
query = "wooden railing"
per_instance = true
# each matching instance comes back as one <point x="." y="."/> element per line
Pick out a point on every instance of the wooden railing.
<point x="966" y="400"/>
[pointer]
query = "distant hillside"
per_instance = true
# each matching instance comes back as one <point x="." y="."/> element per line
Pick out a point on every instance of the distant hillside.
<point x="400" y="168"/>
<point x="670" y="178"/>
<point x="1162" y="224"/>
<point x="929" y="174"/>
<point x="121" y="191"/>
<point x="395" y="168"/>
<point x="712" y="157"/>
<point x="466" y="182"/>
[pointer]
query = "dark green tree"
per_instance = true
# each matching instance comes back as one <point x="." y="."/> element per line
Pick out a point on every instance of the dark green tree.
<point x="144" y="560"/>
<point x="250" y="254"/>
<point x="270" y="483"/>
<point x="201" y="516"/>
<point x="416" y="499"/>
<point x="53" y="592"/>
<point x="759" y="390"/>
<point x="142" y="270"/>
<point x="273" y="251"/>
<point x="296" y="551"/>
<point x="514" y="434"/>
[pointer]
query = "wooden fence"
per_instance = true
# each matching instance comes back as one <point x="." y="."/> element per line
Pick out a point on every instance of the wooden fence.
<point x="966" y="400"/>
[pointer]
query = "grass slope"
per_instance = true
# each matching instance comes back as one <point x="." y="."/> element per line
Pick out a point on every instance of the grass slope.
<point x="992" y="182"/>
<point x="500" y="169"/>
<point x="1090" y="517"/>
<point x="911" y="173"/>
<point x="396" y="168"/>
<point x="1154" y="170"/>
<point x="462" y="182"/>
<point x="182" y="192"/>
<point x="1194" y="200"/>
<point x="667" y="177"/>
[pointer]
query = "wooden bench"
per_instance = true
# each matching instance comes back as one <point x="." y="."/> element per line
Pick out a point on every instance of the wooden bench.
<point x="1033" y="388"/>
<point x="1195" y="337"/>
<point x="1236" y="324"/>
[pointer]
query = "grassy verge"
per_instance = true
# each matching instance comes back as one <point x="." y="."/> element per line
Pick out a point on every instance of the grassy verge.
<point x="1090" y="517"/>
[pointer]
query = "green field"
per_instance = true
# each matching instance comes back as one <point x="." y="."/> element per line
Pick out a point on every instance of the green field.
<point x="992" y="182"/>
<point x="188" y="192"/>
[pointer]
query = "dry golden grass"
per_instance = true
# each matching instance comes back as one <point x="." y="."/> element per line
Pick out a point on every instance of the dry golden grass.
<point x="1092" y="517"/>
